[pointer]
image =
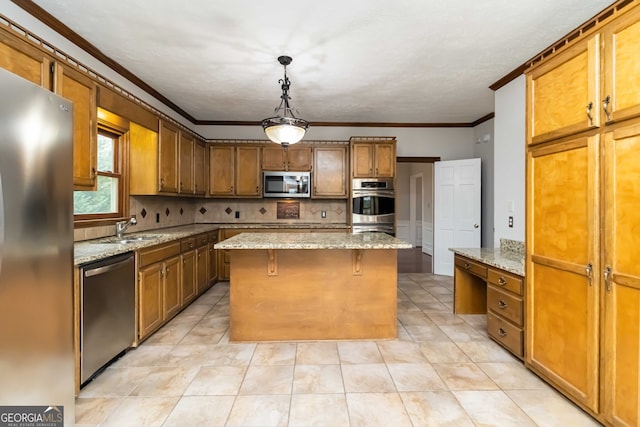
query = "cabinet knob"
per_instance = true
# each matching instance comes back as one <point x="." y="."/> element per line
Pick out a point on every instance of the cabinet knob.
<point x="502" y="304"/>
<point x="467" y="265"/>
<point x="605" y="106"/>
<point x="589" y="108"/>
<point x="501" y="281"/>
<point x="502" y="332"/>
<point x="607" y="278"/>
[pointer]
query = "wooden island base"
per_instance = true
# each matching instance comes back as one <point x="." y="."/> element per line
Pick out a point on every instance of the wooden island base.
<point x="313" y="294"/>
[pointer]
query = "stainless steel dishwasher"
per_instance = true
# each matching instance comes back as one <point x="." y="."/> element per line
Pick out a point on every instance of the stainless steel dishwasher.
<point x="107" y="322"/>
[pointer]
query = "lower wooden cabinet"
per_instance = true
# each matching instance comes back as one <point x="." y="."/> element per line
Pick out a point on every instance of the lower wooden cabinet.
<point x="202" y="267"/>
<point x="189" y="290"/>
<point x="213" y="258"/>
<point x="483" y="288"/>
<point x="158" y="286"/>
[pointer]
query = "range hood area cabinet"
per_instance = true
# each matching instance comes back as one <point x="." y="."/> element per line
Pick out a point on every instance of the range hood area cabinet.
<point x="583" y="169"/>
<point x="295" y="158"/>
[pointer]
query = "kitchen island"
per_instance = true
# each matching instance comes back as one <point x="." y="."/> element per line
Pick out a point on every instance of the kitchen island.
<point x="313" y="286"/>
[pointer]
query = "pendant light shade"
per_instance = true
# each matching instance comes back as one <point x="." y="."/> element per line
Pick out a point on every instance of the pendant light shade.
<point x="285" y="128"/>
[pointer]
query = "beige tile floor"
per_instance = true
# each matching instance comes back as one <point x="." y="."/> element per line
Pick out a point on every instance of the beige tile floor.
<point x="442" y="370"/>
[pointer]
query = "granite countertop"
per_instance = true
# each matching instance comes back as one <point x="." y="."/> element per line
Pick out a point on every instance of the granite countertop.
<point x="93" y="250"/>
<point x="505" y="259"/>
<point x="312" y="241"/>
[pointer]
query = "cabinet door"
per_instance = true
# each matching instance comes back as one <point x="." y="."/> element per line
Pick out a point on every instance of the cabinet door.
<point x="221" y="170"/>
<point x="199" y="168"/>
<point x="168" y="158"/>
<point x="188" y="284"/>
<point x="563" y="94"/>
<point x="330" y="172"/>
<point x="248" y="171"/>
<point x="150" y="299"/>
<point x="273" y="158"/>
<point x="622" y="287"/>
<point x="362" y="160"/>
<point x="171" y="287"/>
<point x="202" y="263"/>
<point x="562" y="297"/>
<point x="385" y="160"/>
<point x="621" y="97"/>
<point x="82" y="91"/>
<point x="299" y="158"/>
<point x="24" y="60"/>
<point x="185" y="163"/>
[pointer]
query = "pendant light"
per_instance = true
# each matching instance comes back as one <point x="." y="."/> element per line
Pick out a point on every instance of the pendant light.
<point x="285" y="128"/>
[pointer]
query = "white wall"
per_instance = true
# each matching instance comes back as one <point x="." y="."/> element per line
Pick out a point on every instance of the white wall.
<point x="484" y="149"/>
<point x="509" y="161"/>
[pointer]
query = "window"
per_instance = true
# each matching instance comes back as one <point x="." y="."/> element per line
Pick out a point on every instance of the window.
<point x="108" y="200"/>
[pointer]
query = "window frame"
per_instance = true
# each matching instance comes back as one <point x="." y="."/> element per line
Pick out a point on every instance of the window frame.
<point x="117" y="128"/>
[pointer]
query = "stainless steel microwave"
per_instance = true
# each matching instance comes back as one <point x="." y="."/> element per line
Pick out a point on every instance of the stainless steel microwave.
<point x="286" y="184"/>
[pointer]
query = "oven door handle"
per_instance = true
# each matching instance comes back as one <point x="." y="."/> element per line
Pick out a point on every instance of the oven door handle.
<point x="374" y="193"/>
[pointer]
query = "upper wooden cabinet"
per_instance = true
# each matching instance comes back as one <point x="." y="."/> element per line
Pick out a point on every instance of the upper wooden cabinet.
<point x="621" y="95"/>
<point x="83" y="92"/>
<point x="24" y="60"/>
<point x="185" y="163"/>
<point x="168" y="158"/>
<point x="563" y="93"/>
<point x="373" y="159"/>
<point x="199" y="168"/>
<point x="592" y="83"/>
<point x="293" y="158"/>
<point x="235" y="171"/>
<point x="330" y="172"/>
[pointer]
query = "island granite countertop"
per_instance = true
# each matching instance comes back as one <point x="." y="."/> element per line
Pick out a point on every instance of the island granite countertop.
<point x="505" y="259"/>
<point x="312" y="241"/>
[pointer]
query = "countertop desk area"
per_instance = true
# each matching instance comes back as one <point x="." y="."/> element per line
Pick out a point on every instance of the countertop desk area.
<point x="313" y="286"/>
<point x="491" y="281"/>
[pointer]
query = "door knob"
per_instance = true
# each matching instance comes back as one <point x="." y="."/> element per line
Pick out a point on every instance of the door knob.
<point x="475" y="226"/>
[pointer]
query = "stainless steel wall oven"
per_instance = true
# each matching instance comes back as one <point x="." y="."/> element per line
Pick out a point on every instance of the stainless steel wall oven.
<point x="373" y="205"/>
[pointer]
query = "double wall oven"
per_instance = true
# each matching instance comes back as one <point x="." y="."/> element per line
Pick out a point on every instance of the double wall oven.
<point x="373" y="205"/>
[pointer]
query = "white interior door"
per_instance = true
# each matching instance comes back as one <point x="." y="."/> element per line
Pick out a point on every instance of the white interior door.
<point x="457" y="207"/>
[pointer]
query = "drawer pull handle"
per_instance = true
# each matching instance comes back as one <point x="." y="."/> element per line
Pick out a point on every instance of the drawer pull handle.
<point x="502" y="304"/>
<point x="467" y="265"/>
<point x="502" y="332"/>
<point x="501" y="281"/>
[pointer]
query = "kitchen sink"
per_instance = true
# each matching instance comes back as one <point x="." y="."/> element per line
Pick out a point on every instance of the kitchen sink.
<point x="128" y="239"/>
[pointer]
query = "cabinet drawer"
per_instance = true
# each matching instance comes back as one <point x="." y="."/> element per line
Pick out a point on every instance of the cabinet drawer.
<point x="188" y="244"/>
<point x="505" y="280"/>
<point x="505" y="305"/>
<point x="202" y="239"/>
<point x="473" y="267"/>
<point x="158" y="253"/>
<point x="505" y="333"/>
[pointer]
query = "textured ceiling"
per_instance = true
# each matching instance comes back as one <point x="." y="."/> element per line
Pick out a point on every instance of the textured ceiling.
<point x="409" y="61"/>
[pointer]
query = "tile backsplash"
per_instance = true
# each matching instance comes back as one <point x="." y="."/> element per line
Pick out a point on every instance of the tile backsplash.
<point x="154" y="212"/>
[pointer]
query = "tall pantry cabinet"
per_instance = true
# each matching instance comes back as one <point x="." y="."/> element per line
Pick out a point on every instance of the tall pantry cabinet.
<point x="583" y="218"/>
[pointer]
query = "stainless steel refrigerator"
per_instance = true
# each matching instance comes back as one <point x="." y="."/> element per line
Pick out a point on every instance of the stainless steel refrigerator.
<point x="36" y="247"/>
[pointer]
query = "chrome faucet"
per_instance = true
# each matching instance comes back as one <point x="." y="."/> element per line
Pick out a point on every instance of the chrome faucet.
<point x="121" y="226"/>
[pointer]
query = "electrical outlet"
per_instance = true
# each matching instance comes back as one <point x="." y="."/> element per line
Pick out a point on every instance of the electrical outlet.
<point x="323" y="214"/>
<point x="158" y="217"/>
<point x="510" y="222"/>
<point x="237" y="214"/>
